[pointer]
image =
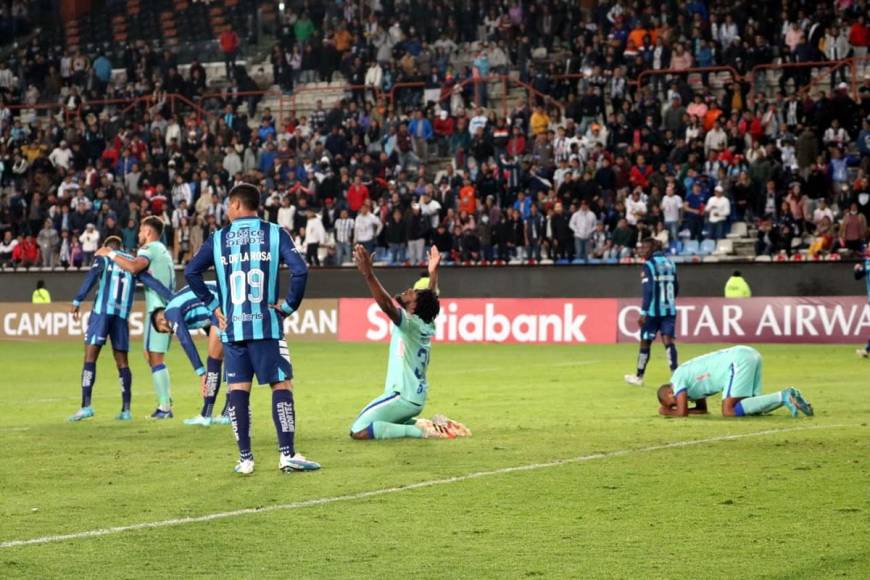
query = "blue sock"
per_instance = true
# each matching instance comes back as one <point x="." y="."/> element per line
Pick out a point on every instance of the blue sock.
<point x="89" y="375"/>
<point x="642" y="360"/>
<point x="126" y="379"/>
<point x="738" y="409"/>
<point x="867" y="348"/>
<point x="284" y="416"/>
<point x="212" y="386"/>
<point x="672" y="356"/>
<point x="240" y="415"/>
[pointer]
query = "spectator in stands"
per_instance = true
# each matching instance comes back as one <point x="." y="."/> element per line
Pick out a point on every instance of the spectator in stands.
<point x="26" y="252"/>
<point x="229" y="43"/>
<point x="718" y="210"/>
<point x="582" y="224"/>
<point x="89" y="239"/>
<point x="49" y="244"/>
<point x="854" y="230"/>
<point x="7" y="249"/>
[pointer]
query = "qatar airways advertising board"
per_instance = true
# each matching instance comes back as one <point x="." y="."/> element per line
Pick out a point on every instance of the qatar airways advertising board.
<point x="605" y="321"/>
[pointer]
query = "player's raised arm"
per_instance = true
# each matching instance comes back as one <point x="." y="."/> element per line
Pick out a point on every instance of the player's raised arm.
<point x="384" y="300"/>
<point x="201" y="262"/>
<point x="298" y="274"/>
<point x="434" y="263"/>
<point x="135" y="265"/>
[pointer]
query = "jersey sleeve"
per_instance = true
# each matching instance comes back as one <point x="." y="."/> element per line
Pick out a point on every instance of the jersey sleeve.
<point x="146" y="252"/>
<point x="90" y="279"/>
<point x="154" y="284"/>
<point x="679" y="381"/>
<point x="201" y="262"/>
<point x="181" y="331"/>
<point x="648" y="285"/>
<point x="298" y="273"/>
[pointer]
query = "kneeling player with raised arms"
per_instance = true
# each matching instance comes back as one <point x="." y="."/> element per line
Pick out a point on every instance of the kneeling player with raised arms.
<point x="394" y="414"/>
<point x="736" y="373"/>
<point x="185" y="312"/>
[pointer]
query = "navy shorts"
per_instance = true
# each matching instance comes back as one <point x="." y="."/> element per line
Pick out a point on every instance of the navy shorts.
<point x="103" y="326"/>
<point x="269" y="360"/>
<point x="664" y="325"/>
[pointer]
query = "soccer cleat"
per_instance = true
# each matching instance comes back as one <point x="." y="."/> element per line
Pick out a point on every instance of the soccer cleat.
<point x="863" y="353"/>
<point x="454" y="428"/>
<point x="435" y="430"/>
<point x="297" y="462"/>
<point x="220" y="420"/>
<point x="161" y="414"/>
<point x="244" y="467"/>
<point x="795" y="402"/>
<point x="82" y="414"/>
<point x="124" y="416"/>
<point x="634" y="380"/>
<point x="198" y="420"/>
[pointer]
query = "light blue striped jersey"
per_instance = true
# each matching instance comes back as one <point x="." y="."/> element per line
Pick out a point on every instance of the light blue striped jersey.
<point x="246" y="256"/>
<point x="660" y="286"/>
<point x="115" y="291"/>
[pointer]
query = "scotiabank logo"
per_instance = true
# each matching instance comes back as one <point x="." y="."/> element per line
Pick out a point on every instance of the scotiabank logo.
<point x="523" y="320"/>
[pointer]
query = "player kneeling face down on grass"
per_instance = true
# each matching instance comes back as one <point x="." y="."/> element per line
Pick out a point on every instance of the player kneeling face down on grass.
<point x="736" y="373"/>
<point x="395" y="413"/>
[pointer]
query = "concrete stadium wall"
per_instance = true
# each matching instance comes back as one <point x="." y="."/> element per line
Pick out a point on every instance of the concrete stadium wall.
<point x="699" y="280"/>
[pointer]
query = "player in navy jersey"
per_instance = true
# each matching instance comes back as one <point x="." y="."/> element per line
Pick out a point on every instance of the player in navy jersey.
<point x="863" y="271"/>
<point x="659" y="311"/>
<point x="108" y="320"/>
<point x="185" y="312"/>
<point x="246" y="255"/>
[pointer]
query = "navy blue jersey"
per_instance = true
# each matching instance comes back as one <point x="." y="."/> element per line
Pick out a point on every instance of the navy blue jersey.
<point x="660" y="286"/>
<point x="246" y="255"/>
<point x="115" y="290"/>
<point x="186" y="312"/>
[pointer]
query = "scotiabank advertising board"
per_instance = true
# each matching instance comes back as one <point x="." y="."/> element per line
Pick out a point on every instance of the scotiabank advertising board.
<point x="521" y="320"/>
<point x="607" y="321"/>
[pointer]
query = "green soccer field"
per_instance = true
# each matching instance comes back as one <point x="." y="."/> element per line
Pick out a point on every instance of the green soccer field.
<point x="569" y="474"/>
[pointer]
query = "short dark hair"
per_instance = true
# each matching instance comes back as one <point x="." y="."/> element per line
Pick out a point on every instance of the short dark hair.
<point x="155" y="223"/>
<point x="247" y="194"/>
<point x="114" y="242"/>
<point x="154" y="318"/>
<point x="427" y="307"/>
<point x="661" y="392"/>
<point x="40" y="284"/>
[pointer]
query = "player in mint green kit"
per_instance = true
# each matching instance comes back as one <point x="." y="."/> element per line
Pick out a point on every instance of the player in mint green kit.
<point x="156" y="259"/>
<point x="394" y="414"/>
<point x="736" y="373"/>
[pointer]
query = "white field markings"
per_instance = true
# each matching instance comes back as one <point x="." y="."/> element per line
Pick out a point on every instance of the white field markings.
<point x="391" y="490"/>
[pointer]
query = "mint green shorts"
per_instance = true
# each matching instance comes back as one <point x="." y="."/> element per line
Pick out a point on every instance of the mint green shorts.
<point x="745" y="377"/>
<point x="156" y="341"/>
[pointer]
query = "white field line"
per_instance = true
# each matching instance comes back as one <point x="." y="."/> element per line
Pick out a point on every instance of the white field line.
<point x="391" y="490"/>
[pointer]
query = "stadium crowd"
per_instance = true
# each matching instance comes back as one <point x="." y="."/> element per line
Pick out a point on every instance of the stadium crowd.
<point x="582" y="174"/>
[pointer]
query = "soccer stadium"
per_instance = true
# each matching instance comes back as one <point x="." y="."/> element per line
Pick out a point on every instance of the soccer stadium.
<point x="472" y="288"/>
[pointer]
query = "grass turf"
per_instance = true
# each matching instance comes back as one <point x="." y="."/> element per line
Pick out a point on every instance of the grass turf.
<point x="792" y="504"/>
